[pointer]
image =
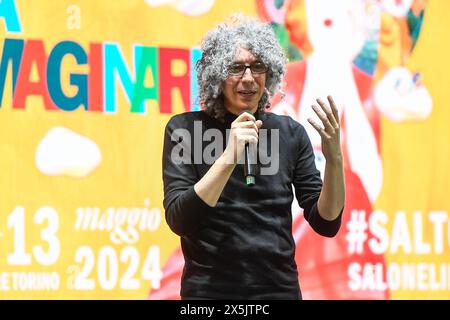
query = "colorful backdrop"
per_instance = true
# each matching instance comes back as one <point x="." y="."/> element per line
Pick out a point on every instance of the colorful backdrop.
<point x="86" y="88"/>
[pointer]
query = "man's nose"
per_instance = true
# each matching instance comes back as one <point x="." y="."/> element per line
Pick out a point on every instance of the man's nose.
<point x="247" y="76"/>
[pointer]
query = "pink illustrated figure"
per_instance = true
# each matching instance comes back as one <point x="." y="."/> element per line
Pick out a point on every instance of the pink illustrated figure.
<point x="356" y="51"/>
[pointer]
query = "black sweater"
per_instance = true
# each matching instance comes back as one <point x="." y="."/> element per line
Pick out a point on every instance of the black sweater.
<point x="243" y="247"/>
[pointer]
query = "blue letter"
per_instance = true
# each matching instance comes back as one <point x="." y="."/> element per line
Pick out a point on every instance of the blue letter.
<point x="54" y="76"/>
<point x="8" y="11"/>
<point x="12" y="51"/>
<point x="196" y="54"/>
<point x="114" y="63"/>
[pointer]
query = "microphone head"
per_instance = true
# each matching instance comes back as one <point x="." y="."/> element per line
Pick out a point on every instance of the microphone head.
<point x="246" y="110"/>
<point x="249" y="111"/>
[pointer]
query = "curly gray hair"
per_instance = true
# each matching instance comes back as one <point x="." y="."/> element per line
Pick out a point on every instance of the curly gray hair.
<point x="218" y="51"/>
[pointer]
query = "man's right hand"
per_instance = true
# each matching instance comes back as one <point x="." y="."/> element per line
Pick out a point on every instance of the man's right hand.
<point x="244" y="129"/>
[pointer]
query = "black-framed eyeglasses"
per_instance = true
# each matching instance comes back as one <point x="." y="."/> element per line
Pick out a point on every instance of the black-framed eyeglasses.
<point x="238" y="69"/>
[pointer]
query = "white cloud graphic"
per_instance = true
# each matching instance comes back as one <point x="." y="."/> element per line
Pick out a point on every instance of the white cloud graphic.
<point x="65" y="152"/>
<point x="397" y="8"/>
<point x="400" y="96"/>
<point x="188" y="7"/>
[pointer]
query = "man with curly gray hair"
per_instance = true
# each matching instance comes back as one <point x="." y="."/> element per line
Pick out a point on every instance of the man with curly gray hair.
<point x="236" y="239"/>
<point x="213" y="68"/>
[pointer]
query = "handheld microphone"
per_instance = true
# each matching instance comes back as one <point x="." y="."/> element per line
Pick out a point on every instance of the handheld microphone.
<point x="249" y="166"/>
<point x="250" y="163"/>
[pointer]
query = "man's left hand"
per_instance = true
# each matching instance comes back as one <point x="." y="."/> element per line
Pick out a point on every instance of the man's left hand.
<point x="329" y="130"/>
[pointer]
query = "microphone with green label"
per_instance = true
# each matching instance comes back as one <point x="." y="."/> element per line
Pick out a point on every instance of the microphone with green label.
<point x="250" y="162"/>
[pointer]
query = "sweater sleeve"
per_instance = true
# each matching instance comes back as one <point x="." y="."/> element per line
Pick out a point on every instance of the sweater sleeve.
<point x="184" y="209"/>
<point x="308" y="185"/>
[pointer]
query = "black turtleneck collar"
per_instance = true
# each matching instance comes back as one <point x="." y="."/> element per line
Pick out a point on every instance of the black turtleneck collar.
<point x="230" y="117"/>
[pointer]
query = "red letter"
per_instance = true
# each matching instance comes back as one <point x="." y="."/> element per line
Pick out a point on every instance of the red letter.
<point x="33" y="51"/>
<point x="95" y="80"/>
<point x="167" y="81"/>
